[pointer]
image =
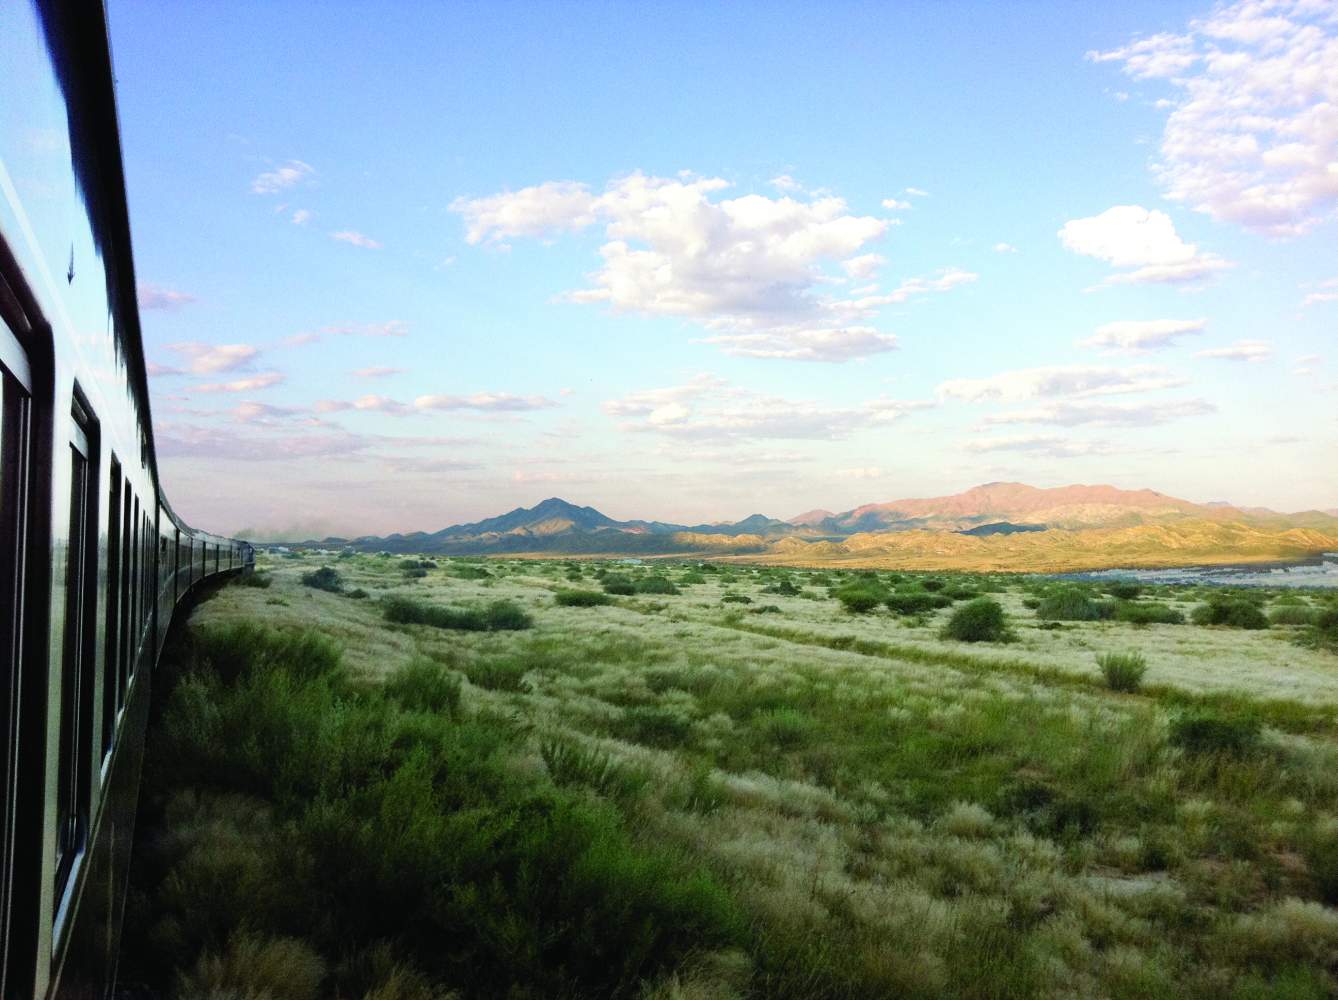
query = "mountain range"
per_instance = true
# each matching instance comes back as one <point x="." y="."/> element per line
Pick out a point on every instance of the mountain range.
<point x="999" y="526"/>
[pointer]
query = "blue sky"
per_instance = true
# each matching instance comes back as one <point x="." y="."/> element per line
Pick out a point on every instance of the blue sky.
<point x="406" y="265"/>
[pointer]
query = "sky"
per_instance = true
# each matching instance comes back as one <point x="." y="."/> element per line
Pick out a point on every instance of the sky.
<point x="406" y="265"/>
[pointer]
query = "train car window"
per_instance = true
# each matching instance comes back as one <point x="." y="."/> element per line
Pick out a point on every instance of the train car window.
<point x="111" y="664"/>
<point x="126" y="604"/>
<point x="15" y="417"/>
<point x="76" y="683"/>
<point x="134" y="592"/>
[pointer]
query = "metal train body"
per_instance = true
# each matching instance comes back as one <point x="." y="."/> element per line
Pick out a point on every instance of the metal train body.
<point x="93" y="560"/>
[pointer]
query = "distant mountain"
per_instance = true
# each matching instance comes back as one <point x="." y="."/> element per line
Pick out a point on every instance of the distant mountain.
<point x="994" y="515"/>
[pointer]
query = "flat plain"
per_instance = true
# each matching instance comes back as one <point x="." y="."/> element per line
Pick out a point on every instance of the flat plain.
<point x="879" y="809"/>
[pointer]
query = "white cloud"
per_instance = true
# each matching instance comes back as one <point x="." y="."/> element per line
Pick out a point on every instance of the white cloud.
<point x="707" y="408"/>
<point x="1075" y="381"/>
<point x="377" y="371"/>
<point x="917" y="193"/>
<point x="356" y="238"/>
<point x="155" y="370"/>
<point x="749" y="269"/>
<point x="864" y="267"/>
<point x="1252" y="137"/>
<point x="1133" y="237"/>
<point x="1048" y="445"/>
<point x="1004" y="248"/>
<point x="784" y="182"/>
<point x="893" y="205"/>
<point x="210" y="359"/>
<point x="532" y="211"/>
<point x="1328" y="292"/>
<point x="156" y="297"/>
<point x="943" y="280"/>
<point x="248" y="384"/>
<point x="860" y="472"/>
<point x="1142" y="336"/>
<point x="302" y="216"/>
<point x="487" y="401"/>
<point x="1241" y="350"/>
<point x="1075" y="414"/>
<point x="370" y="403"/>
<point x="281" y="178"/>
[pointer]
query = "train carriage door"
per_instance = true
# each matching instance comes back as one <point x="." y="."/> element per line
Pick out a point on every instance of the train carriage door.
<point x="15" y="456"/>
<point x="111" y="664"/>
<point x="77" y="655"/>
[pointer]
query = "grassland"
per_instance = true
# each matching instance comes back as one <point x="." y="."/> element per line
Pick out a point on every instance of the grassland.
<point x="725" y="784"/>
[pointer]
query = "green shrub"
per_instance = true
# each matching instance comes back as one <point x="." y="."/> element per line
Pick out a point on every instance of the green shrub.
<point x="580" y="598"/>
<point x="1073" y="604"/>
<point x="1293" y="614"/>
<point x="1208" y="731"/>
<point x="357" y="594"/>
<point x="506" y="616"/>
<point x="1147" y="613"/>
<point x="325" y="578"/>
<point x="691" y="577"/>
<point x="1123" y="671"/>
<point x="252" y="967"/>
<point x="932" y="584"/>
<point x="417" y="573"/>
<point x="961" y="593"/>
<point x="466" y="571"/>
<point x="660" y="727"/>
<point x="784" y="588"/>
<point x="736" y="599"/>
<point x="1122" y="590"/>
<point x="655" y="585"/>
<point x="573" y="764"/>
<point x="859" y="600"/>
<point x="785" y="727"/>
<point x="981" y="620"/>
<point x="253" y="579"/>
<point x="911" y="603"/>
<point x="620" y="585"/>
<point x="1234" y="612"/>
<point x="424" y="685"/>
<point x="501" y="674"/>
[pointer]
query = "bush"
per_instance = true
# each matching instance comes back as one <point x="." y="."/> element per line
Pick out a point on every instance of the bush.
<point x="325" y="578"/>
<point x="580" y="598"/>
<point x="417" y="573"/>
<point x="424" y="685"/>
<point x="784" y="588"/>
<point x="1123" y="671"/>
<point x="1207" y="731"/>
<point x="466" y="571"/>
<point x="654" y="585"/>
<point x="1234" y="612"/>
<point x="858" y="600"/>
<point x="1293" y="614"/>
<point x="498" y="616"/>
<point x="909" y="603"/>
<point x="1073" y="604"/>
<point x="357" y="594"/>
<point x="253" y="579"/>
<point x="619" y="585"/>
<point x="736" y="599"/>
<point x="1123" y="590"/>
<point x="1147" y="614"/>
<point x="691" y="577"/>
<point x="506" y="616"/>
<point x="981" y="620"/>
<point x="961" y="593"/>
<point x="932" y="585"/>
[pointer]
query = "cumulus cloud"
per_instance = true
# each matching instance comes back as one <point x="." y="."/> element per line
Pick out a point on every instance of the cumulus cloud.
<point x="708" y="408"/>
<point x="752" y="270"/>
<point x="1074" y="381"/>
<point x="1047" y="445"/>
<point x="1252" y="134"/>
<point x="1076" y="414"/>
<point x="210" y="359"/>
<point x="1143" y="243"/>
<point x="535" y="211"/>
<point x="282" y="177"/>
<point x="893" y="205"/>
<point x="356" y="238"/>
<point x="377" y="371"/>
<point x="248" y="384"/>
<point x="1142" y="336"/>
<point x="157" y="297"/>
<point x="1241" y="350"/>
<point x="493" y="402"/>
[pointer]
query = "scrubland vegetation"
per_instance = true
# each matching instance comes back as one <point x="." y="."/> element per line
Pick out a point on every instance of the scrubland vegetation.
<point x="534" y="779"/>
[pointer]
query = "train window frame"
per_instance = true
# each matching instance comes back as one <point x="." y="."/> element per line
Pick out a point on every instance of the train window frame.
<point x="74" y="746"/>
<point x="111" y="664"/>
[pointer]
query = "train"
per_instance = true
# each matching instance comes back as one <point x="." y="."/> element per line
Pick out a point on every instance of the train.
<point x="93" y="560"/>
